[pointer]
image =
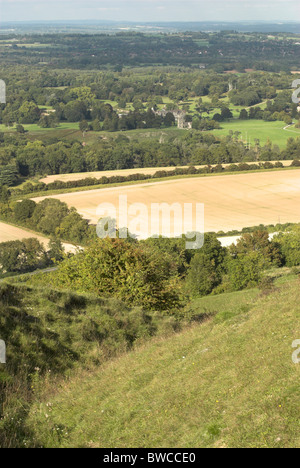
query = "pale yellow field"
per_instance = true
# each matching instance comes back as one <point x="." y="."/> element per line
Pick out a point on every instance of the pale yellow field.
<point x="12" y="233"/>
<point x="231" y="202"/>
<point x="121" y="172"/>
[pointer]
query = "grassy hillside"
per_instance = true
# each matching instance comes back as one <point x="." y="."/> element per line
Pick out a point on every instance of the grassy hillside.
<point x="227" y="382"/>
<point x="50" y="334"/>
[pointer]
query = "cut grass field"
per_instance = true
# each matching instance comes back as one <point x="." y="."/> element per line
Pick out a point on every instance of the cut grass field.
<point x="226" y="383"/>
<point x="35" y="128"/>
<point x="258" y="129"/>
<point x="231" y="201"/>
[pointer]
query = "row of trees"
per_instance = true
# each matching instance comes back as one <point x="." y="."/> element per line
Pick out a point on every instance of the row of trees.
<point x="22" y="158"/>
<point x="118" y="179"/>
<point x="160" y="274"/>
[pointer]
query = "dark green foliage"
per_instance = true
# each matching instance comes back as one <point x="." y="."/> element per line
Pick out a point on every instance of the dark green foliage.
<point x="131" y="272"/>
<point x="22" y="256"/>
<point x="4" y="194"/>
<point x="206" y="267"/>
<point x="203" y="277"/>
<point x="259" y="242"/>
<point x="290" y="246"/>
<point x="24" y="210"/>
<point x="55" y="251"/>
<point x="175" y="248"/>
<point x="8" y="175"/>
<point x="245" y="271"/>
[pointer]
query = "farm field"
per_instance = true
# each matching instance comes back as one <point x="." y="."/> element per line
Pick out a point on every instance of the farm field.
<point x="231" y="202"/>
<point x="35" y="128"/>
<point x="252" y="129"/>
<point x="13" y="233"/>
<point x="121" y="172"/>
<point x="69" y="131"/>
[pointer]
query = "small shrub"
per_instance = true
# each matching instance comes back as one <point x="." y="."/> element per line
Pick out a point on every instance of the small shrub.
<point x="266" y="285"/>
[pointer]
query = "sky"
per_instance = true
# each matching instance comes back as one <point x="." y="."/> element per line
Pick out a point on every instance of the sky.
<point x="150" y="10"/>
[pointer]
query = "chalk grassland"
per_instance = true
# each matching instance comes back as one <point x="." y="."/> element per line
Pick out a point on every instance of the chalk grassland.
<point x="13" y="233"/>
<point x="231" y="202"/>
<point x="121" y="172"/>
<point x="227" y="383"/>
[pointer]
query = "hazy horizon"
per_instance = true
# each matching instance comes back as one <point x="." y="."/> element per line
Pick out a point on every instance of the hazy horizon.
<point x="150" y="10"/>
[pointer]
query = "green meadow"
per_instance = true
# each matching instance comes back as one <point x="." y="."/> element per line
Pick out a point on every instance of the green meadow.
<point x="258" y="129"/>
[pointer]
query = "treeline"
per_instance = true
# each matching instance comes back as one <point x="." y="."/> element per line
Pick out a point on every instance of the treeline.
<point x="21" y="159"/>
<point x="280" y="108"/>
<point x="156" y="274"/>
<point x="119" y="179"/>
<point x="161" y="274"/>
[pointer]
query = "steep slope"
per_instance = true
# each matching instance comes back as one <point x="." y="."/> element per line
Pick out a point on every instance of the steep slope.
<point x="228" y="382"/>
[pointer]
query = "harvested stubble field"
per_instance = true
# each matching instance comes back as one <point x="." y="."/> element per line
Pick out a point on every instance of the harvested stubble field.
<point x="231" y="201"/>
<point x="123" y="172"/>
<point x="13" y="233"/>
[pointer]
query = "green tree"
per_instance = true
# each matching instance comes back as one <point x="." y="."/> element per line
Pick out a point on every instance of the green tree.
<point x="131" y="272"/>
<point x="29" y="113"/>
<point x="4" y="194"/>
<point x="245" y="270"/>
<point x="24" y="210"/>
<point x="74" y="228"/>
<point x="55" y="251"/>
<point x="203" y="276"/>
<point x="290" y="246"/>
<point x="49" y="214"/>
<point x="22" y="256"/>
<point x="258" y="241"/>
<point x="20" y="129"/>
